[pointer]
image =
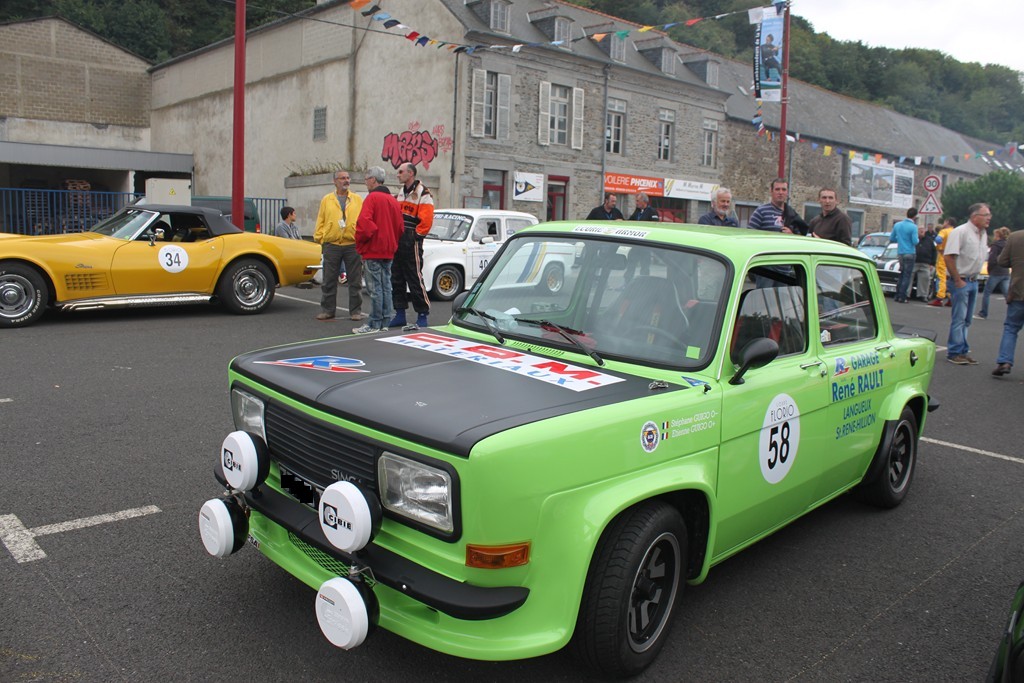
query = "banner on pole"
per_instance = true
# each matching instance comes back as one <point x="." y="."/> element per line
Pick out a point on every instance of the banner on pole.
<point x="769" y="37"/>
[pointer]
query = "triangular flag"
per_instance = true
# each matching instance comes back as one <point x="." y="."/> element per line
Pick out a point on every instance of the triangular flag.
<point x="691" y="22"/>
<point x="902" y="159"/>
<point x="991" y="153"/>
<point x="645" y="29"/>
<point x="391" y="23"/>
<point x="852" y="154"/>
<point x="382" y="16"/>
<point x="828" y="150"/>
<point x="517" y="48"/>
<point x="423" y="40"/>
<point x="359" y="4"/>
<point x="622" y="34"/>
<point x="878" y="158"/>
<point x="413" y="36"/>
<point x="598" y="37"/>
<point x="375" y="8"/>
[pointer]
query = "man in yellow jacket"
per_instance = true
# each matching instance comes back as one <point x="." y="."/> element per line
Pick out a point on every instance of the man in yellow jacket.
<point x="336" y="234"/>
<point x="941" y="295"/>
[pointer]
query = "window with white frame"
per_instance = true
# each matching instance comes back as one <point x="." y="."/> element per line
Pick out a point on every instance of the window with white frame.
<point x="614" y="123"/>
<point x="617" y="48"/>
<point x="559" y="114"/>
<point x="499" y="15"/>
<point x="666" y="129"/>
<point x="563" y="31"/>
<point x="490" y="113"/>
<point x="668" y="62"/>
<point x="709" y="132"/>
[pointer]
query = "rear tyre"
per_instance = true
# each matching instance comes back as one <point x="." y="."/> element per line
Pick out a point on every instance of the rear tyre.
<point x="23" y="295"/>
<point x="633" y="587"/>
<point x="889" y="488"/>
<point x="246" y="287"/>
<point x="448" y="283"/>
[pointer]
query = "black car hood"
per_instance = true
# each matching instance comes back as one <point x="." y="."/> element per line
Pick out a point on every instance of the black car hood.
<point x="436" y="388"/>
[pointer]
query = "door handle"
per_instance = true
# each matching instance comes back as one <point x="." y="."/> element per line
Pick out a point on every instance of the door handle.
<point x="804" y="366"/>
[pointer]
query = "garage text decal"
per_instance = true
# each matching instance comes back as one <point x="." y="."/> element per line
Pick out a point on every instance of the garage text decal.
<point x="542" y="369"/>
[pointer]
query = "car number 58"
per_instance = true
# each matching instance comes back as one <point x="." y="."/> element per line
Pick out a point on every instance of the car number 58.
<point x="780" y="438"/>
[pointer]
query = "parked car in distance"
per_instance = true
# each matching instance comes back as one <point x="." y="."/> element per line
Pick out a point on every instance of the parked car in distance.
<point x="148" y="255"/>
<point x="888" y="263"/>
<point x="460" y="244"/>
<point x="558" y="468"/>
<point x="253" y="223"/>
<point x="873" y="243"/>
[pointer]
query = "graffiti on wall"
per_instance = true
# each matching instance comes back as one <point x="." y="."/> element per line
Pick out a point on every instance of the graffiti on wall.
<point x="415" y="146"/>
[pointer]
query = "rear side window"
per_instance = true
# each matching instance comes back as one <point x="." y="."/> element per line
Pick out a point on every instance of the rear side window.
<point x="846" y="312"/>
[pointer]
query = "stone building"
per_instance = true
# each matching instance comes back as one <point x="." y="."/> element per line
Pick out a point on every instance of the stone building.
<point x="74" y="107"/>
<point x="533" y="105"/>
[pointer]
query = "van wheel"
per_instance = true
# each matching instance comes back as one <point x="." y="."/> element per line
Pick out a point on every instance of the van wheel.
<point x="246" y="287"/>
<point x="23" y="295"/>
<point x="448" y="283"/>
<point x="632" y="589"/>
<point x="890" y="487"/>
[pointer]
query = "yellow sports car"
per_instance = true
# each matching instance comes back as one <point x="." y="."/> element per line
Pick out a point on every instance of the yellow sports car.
<point x="149" y="255"/>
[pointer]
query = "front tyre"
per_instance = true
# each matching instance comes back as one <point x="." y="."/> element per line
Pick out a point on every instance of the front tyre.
<point x="246" y="287"/>
<point x="890" y="487"/>
<point x="23" y="295"/>
<point x="448" y="282"/>
<point x="633" y="586"/>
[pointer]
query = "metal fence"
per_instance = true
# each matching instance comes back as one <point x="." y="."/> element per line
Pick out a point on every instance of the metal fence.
<point x="50" y="212"/>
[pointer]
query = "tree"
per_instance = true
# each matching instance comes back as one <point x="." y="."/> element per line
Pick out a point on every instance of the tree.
<point x="1001" y="190"/>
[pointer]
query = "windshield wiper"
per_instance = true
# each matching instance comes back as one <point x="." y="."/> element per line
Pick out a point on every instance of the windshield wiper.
<point x="567" y="333"/>
<point x="487" y="318"/>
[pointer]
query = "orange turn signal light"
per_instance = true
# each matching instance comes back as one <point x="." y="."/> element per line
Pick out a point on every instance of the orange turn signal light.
<point x="497" y="556"/>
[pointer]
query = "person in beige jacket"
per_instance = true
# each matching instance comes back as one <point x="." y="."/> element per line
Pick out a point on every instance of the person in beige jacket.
<point x="336" y="234"/>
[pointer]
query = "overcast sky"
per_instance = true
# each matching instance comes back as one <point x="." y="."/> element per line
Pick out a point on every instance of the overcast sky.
<point x="985" y="31"/>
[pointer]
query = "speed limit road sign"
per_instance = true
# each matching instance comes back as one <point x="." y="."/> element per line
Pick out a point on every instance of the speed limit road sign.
<point x="932" y="183"/>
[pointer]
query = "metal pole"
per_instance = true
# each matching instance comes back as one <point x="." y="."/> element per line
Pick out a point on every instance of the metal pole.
<point x="238" y="129"/>
<point x="785" y="95"/>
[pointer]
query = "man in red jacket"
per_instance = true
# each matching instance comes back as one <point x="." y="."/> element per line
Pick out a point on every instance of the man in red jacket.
<point x="377" y="231"/>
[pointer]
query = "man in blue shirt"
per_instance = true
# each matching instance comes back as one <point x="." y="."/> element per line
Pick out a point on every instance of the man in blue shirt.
<point x="904" y="234"/>
<point x="721" y="209"/>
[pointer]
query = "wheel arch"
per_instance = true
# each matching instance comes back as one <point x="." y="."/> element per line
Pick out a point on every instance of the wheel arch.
<point x="255" y="256"/>
<point x="47" y="276"/>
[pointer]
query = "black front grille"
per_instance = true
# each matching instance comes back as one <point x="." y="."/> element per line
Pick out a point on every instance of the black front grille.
<point x="318" y="452"/>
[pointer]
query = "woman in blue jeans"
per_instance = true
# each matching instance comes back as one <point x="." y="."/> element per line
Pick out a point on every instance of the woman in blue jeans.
<point x="998" y="277"/>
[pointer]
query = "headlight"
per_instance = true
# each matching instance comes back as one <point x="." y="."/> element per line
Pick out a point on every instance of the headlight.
<point x="247" y="411"/>
<point x="415" y="490"/>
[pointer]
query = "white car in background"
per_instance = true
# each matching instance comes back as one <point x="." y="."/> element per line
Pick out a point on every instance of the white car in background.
<point x="462" y="242"/>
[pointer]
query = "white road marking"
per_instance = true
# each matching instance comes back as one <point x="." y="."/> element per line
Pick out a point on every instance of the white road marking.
<point x="20" y="541"/>
<point x="295" y="298"/>
<point x="973" y="450"/>
<point x="6" y="400"/>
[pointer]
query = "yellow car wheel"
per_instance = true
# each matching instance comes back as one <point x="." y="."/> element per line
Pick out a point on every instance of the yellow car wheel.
<point x="246" y="287"/>
<point x="23" y="295"/>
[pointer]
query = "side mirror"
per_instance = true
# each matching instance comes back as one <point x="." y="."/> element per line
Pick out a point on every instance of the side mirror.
<point x="755" y="354"/>
<point x="487" y="239"/>
<point x="458" y="301"/>
<point x="154" y="235"/>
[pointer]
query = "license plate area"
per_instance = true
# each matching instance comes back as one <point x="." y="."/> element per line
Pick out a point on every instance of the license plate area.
<point x="304" y="491"/>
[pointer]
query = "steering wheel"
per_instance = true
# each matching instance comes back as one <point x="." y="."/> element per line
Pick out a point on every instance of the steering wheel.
<point x="660" y="333"/>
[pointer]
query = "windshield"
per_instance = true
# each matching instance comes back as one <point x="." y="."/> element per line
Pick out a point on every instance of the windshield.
<point x="450" y="226"/>
<point x="124" y="225"/>
<point x="634" y="301"/>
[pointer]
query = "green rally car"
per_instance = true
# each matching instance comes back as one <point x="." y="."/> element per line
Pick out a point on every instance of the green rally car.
<point x="554" y="468"/>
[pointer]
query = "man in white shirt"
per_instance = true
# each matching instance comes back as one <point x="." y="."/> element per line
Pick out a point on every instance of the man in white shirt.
<point x="965" y="252"/>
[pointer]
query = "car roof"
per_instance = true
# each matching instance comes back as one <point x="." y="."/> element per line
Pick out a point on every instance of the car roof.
<point x="476" y="213"/>
<point x="739" y="244"/>
<point x="214" y="219"/>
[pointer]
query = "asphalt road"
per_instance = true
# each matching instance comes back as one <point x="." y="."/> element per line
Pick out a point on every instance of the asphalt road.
<point x="123" y="412"/>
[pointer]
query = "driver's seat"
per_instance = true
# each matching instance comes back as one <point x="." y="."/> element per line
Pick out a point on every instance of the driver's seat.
<point x="646" y="302"/>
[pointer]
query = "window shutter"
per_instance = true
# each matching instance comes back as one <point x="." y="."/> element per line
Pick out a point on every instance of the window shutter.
<point x="476" y="115"/>
<point x="577" y="118"/>
<point x="544" y="115"/>
<point x="504" y="105"/>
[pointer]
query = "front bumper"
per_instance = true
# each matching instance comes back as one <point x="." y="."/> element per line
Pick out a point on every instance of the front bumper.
<point x="454" y="598"/>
